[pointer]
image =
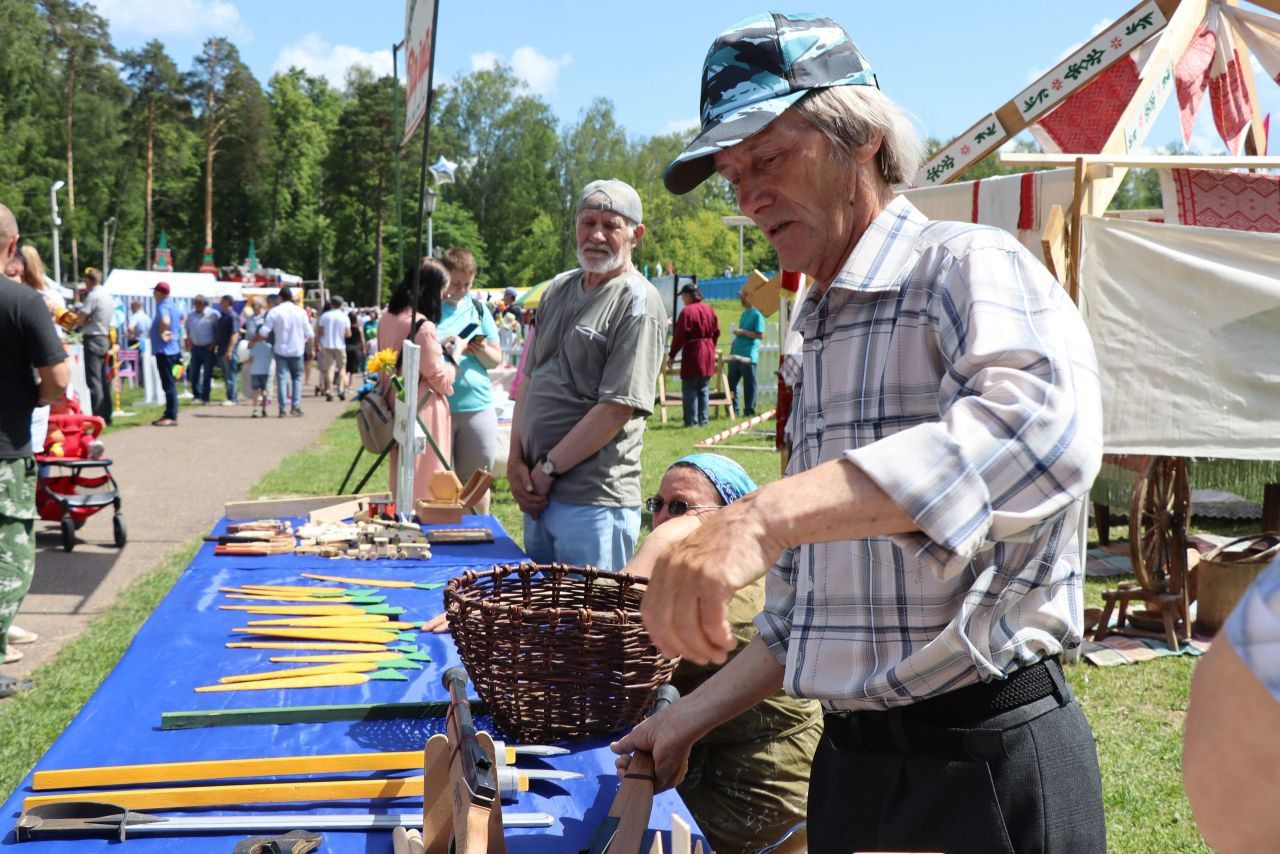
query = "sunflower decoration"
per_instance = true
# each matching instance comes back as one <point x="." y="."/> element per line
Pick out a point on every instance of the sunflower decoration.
<point x="384" y="361"/>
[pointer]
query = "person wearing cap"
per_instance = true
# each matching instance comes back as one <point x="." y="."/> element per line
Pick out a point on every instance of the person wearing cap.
<point x="590" y="380"/>
<point x="693" y="337"/>
<point x="923" y="554"/>
<point x="748" y="778"/>
<point x="165" y="346"/>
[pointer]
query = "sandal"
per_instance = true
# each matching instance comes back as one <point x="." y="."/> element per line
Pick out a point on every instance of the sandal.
<point x="12" y="655"/>
<point x="18" y="634"/>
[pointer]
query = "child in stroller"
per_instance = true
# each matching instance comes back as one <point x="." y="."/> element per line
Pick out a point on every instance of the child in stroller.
<point x="74" y="481"/>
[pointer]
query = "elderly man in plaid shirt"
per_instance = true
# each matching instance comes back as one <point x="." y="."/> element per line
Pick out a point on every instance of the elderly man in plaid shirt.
<point x="923" y="556"/>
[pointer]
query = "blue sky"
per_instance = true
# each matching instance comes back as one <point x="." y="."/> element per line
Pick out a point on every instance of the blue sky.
<point x="948" y="63"/>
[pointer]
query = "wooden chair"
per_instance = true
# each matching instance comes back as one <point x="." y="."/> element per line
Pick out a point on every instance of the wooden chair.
<point x="717" y="396"/>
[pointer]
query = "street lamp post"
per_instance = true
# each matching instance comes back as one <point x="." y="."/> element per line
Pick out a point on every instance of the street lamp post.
<point x="57" y="221"/>
<point x="428" y="208"/>
<point x="741" y="222"/>
<point x="106" y="247"/>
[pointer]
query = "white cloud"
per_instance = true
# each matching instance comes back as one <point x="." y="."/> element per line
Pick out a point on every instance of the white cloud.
<point x="681" y="126"/>
<point x="539" y="72"/>
<point x="317" y="56"/>
<point x="161" y="18"/>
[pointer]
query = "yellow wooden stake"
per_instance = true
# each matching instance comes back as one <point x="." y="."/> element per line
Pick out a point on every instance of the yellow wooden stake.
<point x="333" y="659"/>
<point x="303" y="589"/>
<point x="292" y="672"/>
<point x="331" y="680"/>
<point x="361" y="582"/>
<point x="349" y="635"/>
<point x="253" y="793"/>
<point x="296" y="610"/>
<point x="285" y="597"/>
<point x="325" y="621"/>
<point x="304" y="644"/>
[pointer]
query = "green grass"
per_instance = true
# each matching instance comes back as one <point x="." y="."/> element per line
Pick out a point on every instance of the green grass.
<point x="1136" y="711"/>
<point x="131" y="401"/>
<point x="30" y="722"/>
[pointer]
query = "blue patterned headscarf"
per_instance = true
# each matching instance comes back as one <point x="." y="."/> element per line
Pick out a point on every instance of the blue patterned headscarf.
<point x="729" y="479"/>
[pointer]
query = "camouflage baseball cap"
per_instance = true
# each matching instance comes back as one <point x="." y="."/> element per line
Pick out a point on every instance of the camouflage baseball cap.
<point x="754" y="71"/>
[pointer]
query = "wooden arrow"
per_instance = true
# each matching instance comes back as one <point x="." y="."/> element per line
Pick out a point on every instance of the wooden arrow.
<point x="352" y="635"/>
<point x="376" y="582"/>
<point x="330" y="680"/>
<point x="327" y="600"/>
<point x="400" y="661"/>
<point x="291" y="672"/>
<point x="296" y="610"/>
<point x="304" y="645"/>
<point x="325" y="621"/>
<point x="302" y="589"/>
<point x="252" y="793"/>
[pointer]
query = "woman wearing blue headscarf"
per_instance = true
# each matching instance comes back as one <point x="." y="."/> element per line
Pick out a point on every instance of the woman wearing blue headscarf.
<point x="748" y="779"/>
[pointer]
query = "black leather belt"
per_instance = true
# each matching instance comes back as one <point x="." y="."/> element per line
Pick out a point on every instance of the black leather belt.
<point x="936" y="726"/>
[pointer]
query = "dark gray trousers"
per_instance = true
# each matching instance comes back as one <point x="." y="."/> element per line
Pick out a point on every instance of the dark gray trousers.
<point x="1045" y="796"/>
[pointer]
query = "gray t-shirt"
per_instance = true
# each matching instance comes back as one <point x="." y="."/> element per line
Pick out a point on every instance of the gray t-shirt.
<point x="600" y="347"/>
<point x="98" y="305"/>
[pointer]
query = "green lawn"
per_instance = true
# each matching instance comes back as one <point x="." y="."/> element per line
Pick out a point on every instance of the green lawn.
<point x="1136" y="711"/>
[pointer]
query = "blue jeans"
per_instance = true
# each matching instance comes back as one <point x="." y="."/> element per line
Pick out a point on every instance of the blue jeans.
<point x="697" y="400"/>
<point x="202" y="360"/>
<point x="231" y="374"/>
<point x="582" y="534"/>
<point x="745" y="371"/>
<point x="289" y="367"/>
<point x="164" y="367"/>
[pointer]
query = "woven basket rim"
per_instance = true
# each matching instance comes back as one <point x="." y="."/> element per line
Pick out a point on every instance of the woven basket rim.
<point x="458" y="588"/>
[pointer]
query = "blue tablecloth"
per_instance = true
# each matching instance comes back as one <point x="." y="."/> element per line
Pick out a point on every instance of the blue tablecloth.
<point x="182" y="645"/>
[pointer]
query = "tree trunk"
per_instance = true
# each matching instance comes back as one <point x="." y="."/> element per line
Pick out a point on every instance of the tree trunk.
<point x="208" y="179"/>
<point x="147" y="226"/>
<point x="71" y="165"/>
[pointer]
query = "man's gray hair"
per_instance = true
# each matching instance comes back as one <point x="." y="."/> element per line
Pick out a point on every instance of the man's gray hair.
<point x="8" y="225"/>
<point x="850" y="116"/>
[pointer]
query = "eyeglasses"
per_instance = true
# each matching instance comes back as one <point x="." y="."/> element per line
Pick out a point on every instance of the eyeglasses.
<point x="675" y="508"/>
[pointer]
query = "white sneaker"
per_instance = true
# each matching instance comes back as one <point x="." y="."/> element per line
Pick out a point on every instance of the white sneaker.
<point x="229" y="403"/>
<point x="17" y="634"/>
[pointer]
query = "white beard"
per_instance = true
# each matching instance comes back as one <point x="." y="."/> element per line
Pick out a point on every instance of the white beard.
<point x="597" y="264"/>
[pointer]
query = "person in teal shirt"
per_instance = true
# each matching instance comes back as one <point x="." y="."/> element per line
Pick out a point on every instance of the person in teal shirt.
<point x="474" y="419"/>
<point x="744" y="355"/>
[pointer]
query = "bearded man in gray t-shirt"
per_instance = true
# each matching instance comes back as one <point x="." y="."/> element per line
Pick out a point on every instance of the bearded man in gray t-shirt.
<point x="590" y="381"/>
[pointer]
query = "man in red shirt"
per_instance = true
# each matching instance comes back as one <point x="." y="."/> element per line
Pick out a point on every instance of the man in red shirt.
<point x="694" y="338"/>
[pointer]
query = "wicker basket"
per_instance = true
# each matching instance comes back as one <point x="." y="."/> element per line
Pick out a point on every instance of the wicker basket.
<point x="555" y="651"/>
<point x="1226" y="572"/>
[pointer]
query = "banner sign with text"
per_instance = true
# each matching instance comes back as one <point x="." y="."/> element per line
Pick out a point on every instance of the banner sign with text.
<point x="419" y="18"/>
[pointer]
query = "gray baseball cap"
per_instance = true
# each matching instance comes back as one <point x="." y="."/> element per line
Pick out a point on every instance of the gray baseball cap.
<point x="611" y="195"/>
<point x="754" y="71"/>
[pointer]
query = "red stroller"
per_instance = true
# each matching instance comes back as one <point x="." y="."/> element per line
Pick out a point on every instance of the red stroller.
<point x="71" y="485"/>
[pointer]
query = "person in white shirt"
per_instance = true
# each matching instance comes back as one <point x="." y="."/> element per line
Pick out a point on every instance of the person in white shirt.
<point x="139" y="326"/>
<point x="333" y="330"/>
<point x="290" y="330"/>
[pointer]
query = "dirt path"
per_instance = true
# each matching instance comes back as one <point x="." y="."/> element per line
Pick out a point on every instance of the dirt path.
<point x="173" y="484"/>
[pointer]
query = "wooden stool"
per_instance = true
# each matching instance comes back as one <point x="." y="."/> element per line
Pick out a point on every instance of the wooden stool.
<point x="1172" y="608"/>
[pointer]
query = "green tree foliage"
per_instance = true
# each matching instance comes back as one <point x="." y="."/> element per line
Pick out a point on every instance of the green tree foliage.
<point x="28" y="106"/>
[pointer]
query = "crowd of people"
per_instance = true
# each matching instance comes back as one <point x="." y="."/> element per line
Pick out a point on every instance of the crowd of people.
<point x="871" y="644"/>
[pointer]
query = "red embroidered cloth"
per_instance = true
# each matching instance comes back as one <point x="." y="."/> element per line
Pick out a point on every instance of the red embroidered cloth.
<point x="1082" y="123"/>
<point x="1235" y="200"/>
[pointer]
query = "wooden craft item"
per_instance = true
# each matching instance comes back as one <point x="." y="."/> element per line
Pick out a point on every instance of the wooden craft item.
<point x="321" y="680"/>
<point x="290" y="672"/>
<point x="388" y="658"/>
<point x="449" y="498"/>
<point x="248" y="793"/>
<point x="681" y="837"/>
<point x="296" y="610"/>
<point x="350" y="635"/>
<point x="278" y="526"/>
<point x="304" y="645"/>
<point x="376" y="582"/>
<point x="763" y="293"/>
<point x="338" y="512"/>
<point x="270" y="547"/>
<point x="275" y="716"/>
<point x="327" y="621"/>
<point x="299" y="506"/>
<point x="225" y="769"/>
<point x="460" y="536"/>
<point x="406" y="841"/>
<point x="307" y="590"/>
<point x="362" y="599"/>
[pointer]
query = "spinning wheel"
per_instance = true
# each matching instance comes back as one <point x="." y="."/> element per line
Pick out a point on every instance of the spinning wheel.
<point x="1158" y="515"/>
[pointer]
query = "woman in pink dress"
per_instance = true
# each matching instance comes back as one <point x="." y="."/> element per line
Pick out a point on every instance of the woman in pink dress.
<point x="435" y="373"/>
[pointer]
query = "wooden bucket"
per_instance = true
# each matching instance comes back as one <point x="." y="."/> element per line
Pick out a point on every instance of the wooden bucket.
<point x="1225" y="572"/>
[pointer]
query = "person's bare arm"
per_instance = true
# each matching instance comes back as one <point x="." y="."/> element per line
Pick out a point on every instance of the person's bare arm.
<point x="487" y="352"/>
<point x="53" y="382"/>
<point x="686" y="606"/>
<point x="596" y="429"/>
<point x="751" y="676"/>
<point x="748" y="333"/>
<point x="1230" y="754"/>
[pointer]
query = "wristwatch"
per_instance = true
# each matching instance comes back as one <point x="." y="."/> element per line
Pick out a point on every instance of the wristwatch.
<point x="548" y="467"/>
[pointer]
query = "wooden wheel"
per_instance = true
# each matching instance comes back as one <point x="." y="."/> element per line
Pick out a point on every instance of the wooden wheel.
<point x="1161" y="496"/>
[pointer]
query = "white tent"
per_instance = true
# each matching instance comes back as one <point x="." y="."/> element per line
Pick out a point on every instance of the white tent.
<point x="140" y="283"/>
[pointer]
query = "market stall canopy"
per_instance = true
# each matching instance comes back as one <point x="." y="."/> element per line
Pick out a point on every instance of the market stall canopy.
<point x="532" y="297"/>
<point x="140" y="283"/>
